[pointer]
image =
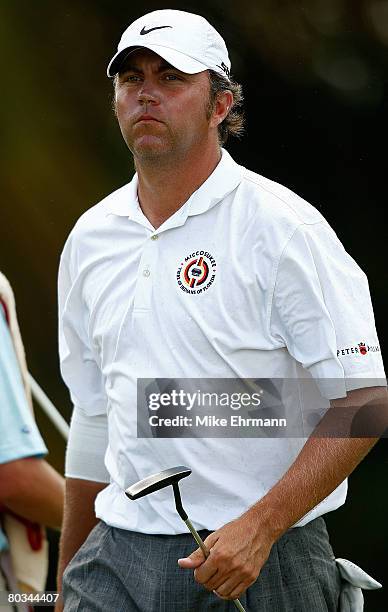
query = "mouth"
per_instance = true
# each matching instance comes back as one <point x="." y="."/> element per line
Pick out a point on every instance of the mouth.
<point x="147" y="119"/>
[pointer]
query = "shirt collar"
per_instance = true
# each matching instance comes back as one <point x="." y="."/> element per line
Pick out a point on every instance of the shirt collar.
<point x="124" y="202"/>
<point x="223" y="180"/>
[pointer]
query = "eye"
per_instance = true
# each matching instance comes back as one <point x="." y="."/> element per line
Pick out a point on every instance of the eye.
<point x="170" y="76"/>
<point x="131" y="78"/>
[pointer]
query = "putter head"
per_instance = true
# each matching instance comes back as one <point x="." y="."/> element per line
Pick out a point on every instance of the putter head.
<point x="157" y="481"/>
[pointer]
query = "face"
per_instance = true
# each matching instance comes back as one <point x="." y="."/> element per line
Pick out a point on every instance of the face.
<point x="161" y="110"/>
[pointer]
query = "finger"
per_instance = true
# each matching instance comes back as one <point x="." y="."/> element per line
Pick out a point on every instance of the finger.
<point x="210" y="567"/>
<point x="227" y="586"/>
<point x="217" y="580"/>
<point x="205" y="573"/>
<point x="192" y="561"/>
<point x="211" y="540"/>
<point x="203" y="583"/>
<point x="239" y="590"/>
<point x="197" y="557"/>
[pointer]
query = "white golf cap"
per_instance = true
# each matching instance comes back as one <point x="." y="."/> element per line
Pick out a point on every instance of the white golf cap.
<point x="186" y="41"/>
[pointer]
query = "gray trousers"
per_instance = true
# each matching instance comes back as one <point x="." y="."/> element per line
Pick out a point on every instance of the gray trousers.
<point x="118" y="570"/>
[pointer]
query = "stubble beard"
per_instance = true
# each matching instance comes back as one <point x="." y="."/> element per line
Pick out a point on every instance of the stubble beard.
<point x="151" y="154"/>
<point x="169" y="152"/>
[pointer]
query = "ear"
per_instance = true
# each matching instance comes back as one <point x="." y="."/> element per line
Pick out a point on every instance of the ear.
<point x="222" y="107"/>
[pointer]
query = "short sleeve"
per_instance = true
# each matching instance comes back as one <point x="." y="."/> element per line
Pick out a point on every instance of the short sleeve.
<point x="322" y="311"/>
<point x="78" y="364"/>
<point x="20" y="436"/>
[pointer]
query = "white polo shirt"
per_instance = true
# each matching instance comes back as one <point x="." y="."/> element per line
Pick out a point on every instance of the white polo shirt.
<point x="271" y="293"/>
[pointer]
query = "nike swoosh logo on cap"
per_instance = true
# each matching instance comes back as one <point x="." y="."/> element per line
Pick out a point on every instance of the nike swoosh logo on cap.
<point x="144" y="31"/>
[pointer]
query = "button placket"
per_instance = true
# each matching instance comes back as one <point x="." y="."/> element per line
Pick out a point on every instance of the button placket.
<point x="144" y="283"/>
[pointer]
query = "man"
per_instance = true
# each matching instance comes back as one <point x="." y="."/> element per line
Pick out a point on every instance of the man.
<point x="279" y="302"/>
<point x="31" y="491"/>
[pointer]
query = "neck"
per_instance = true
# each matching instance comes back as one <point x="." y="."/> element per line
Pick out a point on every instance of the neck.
<point x="164" y="186"/>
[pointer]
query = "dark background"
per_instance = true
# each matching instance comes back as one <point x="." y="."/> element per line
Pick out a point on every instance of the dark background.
<point x="315" y="82"/>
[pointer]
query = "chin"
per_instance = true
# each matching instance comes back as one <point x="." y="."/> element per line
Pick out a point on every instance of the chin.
<point x="151" y="150"/>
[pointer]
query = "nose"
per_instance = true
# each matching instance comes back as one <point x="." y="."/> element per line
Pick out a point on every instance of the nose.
<point x="147" y="94"/>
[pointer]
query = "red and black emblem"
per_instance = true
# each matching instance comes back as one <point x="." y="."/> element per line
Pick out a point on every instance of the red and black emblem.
<point x="197" y="272"/>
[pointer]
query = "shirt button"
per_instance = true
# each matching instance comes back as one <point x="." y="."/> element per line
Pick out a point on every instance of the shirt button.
<point x="146" y="273"/>
<point x="155" y="237"/>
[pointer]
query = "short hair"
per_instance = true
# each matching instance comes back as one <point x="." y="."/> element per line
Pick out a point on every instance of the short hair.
<point x="233" y="124"/>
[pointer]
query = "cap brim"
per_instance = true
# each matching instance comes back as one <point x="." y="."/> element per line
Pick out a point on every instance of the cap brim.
<point x="175" y="58"/>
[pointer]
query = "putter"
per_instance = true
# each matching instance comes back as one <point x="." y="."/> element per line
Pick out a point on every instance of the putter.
<point x="165" y="479"/>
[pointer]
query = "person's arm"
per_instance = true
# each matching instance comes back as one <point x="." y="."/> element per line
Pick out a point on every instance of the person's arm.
<point x="85" y="471"/>
<point x="79" y="519"/>
<point x="86" y="476"/>
<point x="320" y="310"/>
<point x="240" y="548"/>
<point x="31" y="488"/>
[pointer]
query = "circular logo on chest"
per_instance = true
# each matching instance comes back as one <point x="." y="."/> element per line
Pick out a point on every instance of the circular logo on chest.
<point x="196" y="272"/>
